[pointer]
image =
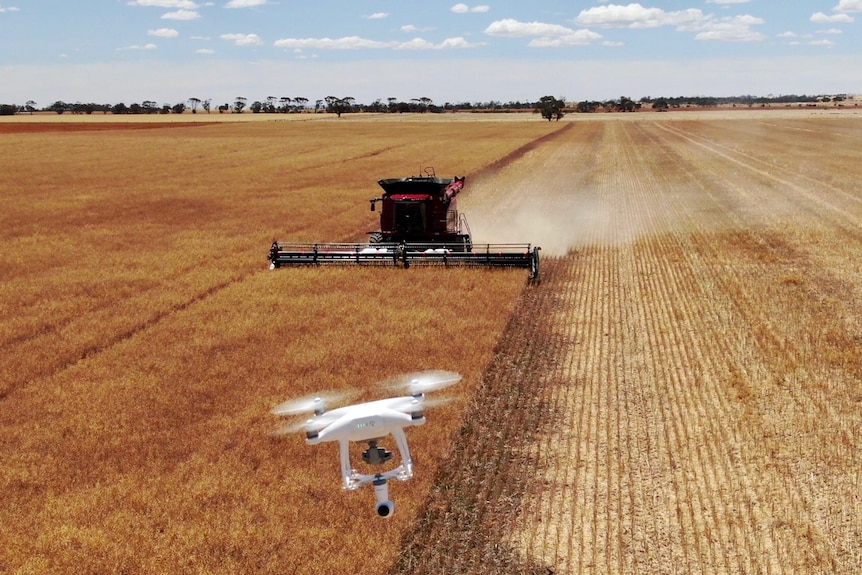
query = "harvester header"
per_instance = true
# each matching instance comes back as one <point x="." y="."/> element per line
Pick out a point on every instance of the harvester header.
<point x="419" y="224"/>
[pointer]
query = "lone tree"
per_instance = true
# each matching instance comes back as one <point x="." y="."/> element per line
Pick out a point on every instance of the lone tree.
<point x="551" y="108"/>
<point x="339" y="105"/>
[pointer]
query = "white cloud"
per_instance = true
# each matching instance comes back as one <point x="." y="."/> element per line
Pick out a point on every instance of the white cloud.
<point x="576" y="38"/>
<point x="181" y="15"/>
<point x="409" y="28"/>
<point x="544" y="35"/>
<point x="358" y="43"/>
<point x="378" y="16"/>
<point x="205" y="51"/>
<point x="511" y="28"/>
<point x="244" y="3"/>
<point x="732" y="29"/>
<point x="464" y="9"/>
<point x="821" y="18"/>
<point x="611" y="44"/>
<point x="849" y="6"/>
<point x="728" y="1"/>
<point x="185" y="4"/>
<point x="448" y="43"/>
<point x="9" y="9"/>
<point x="637" y="16"/>
<point x="346" y="43"/>
<point x="834" y="31"/>
<point x="164" y="33"/>
<point x="787" y="34"/>
<point x="707" y="27"/>
<point x="139" y="47"/>
<point x="243" y="39"/>
<point x="827" y="43"/>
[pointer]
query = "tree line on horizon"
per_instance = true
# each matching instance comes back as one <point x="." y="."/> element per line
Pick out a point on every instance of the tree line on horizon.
<point x="547" y="105"/>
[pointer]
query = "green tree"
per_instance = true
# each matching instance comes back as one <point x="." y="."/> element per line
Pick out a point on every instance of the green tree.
<point x="339" y="105"/>
<point x="551" y="108"/>
<point x="660" y="105"/>
<point x="626" y="104"/>
<point x="59" y="107"/>
<point x="587" y="106"/>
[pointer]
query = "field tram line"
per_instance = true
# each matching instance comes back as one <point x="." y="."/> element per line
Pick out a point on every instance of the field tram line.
<point x="90" y="351"/>
<point x="87" y="352"/>
<point x="467" y="521"/>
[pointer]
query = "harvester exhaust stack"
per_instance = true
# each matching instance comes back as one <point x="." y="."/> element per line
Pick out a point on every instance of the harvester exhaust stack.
<point x="419" y="224"/>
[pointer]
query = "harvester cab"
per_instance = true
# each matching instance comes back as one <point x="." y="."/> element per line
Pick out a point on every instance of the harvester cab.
<point x="419" y="224"/>
<point x="422" y="209"/>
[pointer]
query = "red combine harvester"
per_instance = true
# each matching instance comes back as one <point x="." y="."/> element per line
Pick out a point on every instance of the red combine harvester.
<point x="419" y="224"/>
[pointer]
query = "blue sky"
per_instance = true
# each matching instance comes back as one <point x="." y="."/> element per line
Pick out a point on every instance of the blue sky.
<point x="128" y="51"/>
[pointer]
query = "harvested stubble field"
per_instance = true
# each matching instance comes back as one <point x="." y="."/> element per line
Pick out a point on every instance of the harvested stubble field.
<point x="683" y="392"/>
<point x="680" y="394"/>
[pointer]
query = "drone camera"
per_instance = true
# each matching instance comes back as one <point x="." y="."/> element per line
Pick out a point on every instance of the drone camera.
<point x="385" y="509"/>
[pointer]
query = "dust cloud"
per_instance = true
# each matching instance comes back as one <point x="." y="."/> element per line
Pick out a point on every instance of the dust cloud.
<point x="559" y="222"/>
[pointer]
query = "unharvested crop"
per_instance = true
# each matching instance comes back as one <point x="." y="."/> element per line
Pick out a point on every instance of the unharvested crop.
<point x="144" y="341"/>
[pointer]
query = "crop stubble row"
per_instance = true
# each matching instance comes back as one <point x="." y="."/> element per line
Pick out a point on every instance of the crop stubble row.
<point x="683" y="421"/>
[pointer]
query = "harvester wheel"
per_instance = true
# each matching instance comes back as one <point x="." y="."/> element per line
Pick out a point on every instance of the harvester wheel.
<point x="375" y="238"/>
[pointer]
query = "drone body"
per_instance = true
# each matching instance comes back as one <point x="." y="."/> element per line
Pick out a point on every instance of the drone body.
<point x="371" y="422"/>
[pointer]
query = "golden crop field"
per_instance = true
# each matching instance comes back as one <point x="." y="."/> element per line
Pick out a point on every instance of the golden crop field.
<point x="680" y="393"/>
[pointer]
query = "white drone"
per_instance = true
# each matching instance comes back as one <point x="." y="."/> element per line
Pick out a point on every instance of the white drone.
<point x="371" y="422"/>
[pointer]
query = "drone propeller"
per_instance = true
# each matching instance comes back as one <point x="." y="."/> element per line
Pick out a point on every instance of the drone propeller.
<point x="314" y="424"/>
<point x="417" y="404"/>
<point x="316" y="403"/>
<point x="421" y="382"/>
